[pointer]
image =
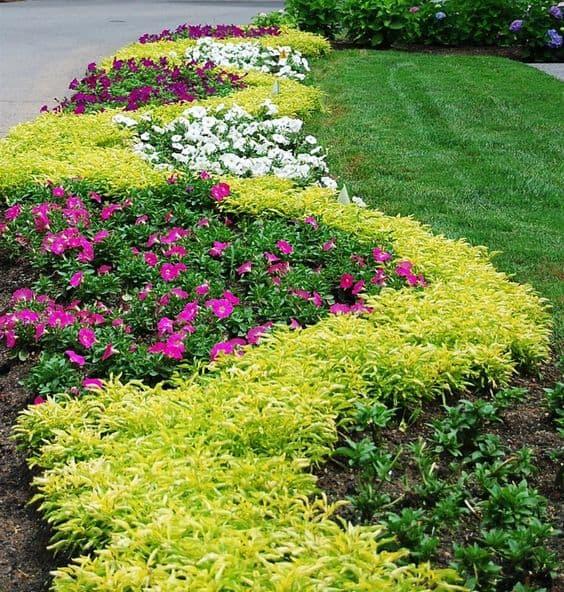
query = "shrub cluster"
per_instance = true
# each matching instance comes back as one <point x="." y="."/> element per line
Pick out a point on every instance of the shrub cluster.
<point x="534" y="27"/>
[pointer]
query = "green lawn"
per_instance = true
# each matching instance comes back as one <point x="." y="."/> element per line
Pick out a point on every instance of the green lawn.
<point x="472" y="146"/>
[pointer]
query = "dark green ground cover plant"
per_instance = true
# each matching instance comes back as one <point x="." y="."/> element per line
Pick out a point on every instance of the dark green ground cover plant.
<point x="454" y="491"/>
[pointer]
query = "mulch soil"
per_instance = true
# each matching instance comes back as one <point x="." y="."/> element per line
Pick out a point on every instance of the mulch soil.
<point x="24" y="561"/>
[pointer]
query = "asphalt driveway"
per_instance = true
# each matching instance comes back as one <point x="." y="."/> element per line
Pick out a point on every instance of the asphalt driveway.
<point x="44" y="44"/>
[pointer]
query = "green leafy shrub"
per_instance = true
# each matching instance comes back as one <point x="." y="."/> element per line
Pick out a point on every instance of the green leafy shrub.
<point x="377" y="23"/>
<point x="318" y="16"/>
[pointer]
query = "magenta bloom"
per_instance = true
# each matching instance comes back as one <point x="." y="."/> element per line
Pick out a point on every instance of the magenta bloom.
<point x="58" y="191"/>
<point x="380" y="256"/>
<point x="245" y="268"/>
<point x="100" y="236"/>
<point x="76" y="279"/>
<point x="358" y="287"/>
<point x="12" y="212"/>
<point x="92" y="383"/>
<point x="150" y="258"/>
<point x="285" y="247"/>
<point x="75" y="358"/>
<point x="339" y="309"/>
<point x="27" y="316"/>
<point x="170" y="271"/>
<point x="271" y="258"/>
<point x="188" y="313"/>
<point x="202" y="289"/>
<point x="22" y="294"/>
<point x="221" y="307"/>
<point x="165" y="325"/>
<point x="104" y="269"/>
<point x="108" y="352"/>
<point x="60" y="319"/>
<point x="39" y="400"/>
<point x="347" y="281"/>
<point x="86" y="337"/>
<point x="255" y="333"/>
<point x="218" y="248"/>
<point x="311" y="221"/>
<point x="220" y="191"/>
<point x="329" y="245"/>
<point x="228" y="295"/>
<point x="226" y="347"/>
<point x="317" y="300"/>
<point x="109" y="210"/>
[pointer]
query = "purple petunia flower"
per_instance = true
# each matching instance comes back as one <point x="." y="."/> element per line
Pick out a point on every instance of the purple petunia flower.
<point x="516" y="26"/>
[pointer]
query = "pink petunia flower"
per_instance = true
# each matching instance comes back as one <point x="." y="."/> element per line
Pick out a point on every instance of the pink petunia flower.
<point x="311" y="221"/>
<point x="92" y="383"/>
<point x="76" y="279"/>
<point x="317" y="300"/>
<point x="202" y="289"/>
<point x="358" y="287"/>
<point x="380" y="256"/>
<point x="100" y="236"/>
<point x="86" y="337"/>
<point x="109" y="210"/>
<point x="58" y="191"/>
<point x="346" y="282"/>
<point x="165" y="325"/>
<point x="226" y="347"/>
<point x="245" y="268"/>
<point x="339" y="309"/>
<point x="108" y="352"/>
<point x="255" y="333"/>
<point x="220" y="191"/>
<point x="188" y="313"/>
<point x="22" y="294"/>
<point x="221" y="307"/>
<point x="218" y="248"/>
<point x="12" y="213"/>
<point x="179" y="293"/>
<point x="170" y="271"/>
<point x="59" y="319"/>
<point x="75" y="358"/>
<point x="329" y="245"/>
<point x="294" y="324"/>
<point x="104" y="269"/>
<point x="205" y="175"/>
<point x="285" y="247"/>
<point x="150" y="258"/>
<point x="271" y="258"/>
<point x="39" y="400"/>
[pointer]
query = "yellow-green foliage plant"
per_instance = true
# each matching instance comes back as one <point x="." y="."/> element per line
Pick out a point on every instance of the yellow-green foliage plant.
<point x="203" y="485"/>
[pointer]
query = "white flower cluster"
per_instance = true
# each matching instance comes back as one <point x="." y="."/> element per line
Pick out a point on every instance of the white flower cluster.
<point x="233" y="142"/>
<point x="280" y="61"/>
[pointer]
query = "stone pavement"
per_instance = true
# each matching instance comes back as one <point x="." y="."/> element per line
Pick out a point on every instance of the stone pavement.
<point x="556" y="70"/>
<point x="44" y="44"/>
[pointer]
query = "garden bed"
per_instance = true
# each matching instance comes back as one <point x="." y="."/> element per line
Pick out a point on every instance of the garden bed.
<point x="208" y="319"/>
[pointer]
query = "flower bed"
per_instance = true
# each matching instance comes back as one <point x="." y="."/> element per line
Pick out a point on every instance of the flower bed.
<point x="135" y="83"/>
<point x="200" y="482"/>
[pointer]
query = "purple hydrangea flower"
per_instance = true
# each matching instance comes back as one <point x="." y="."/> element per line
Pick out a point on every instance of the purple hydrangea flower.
<point x="555" y="39"/>
<point x="440" y="16"/>
<point x="555" y="12"/>
<point x="516" y="26"/>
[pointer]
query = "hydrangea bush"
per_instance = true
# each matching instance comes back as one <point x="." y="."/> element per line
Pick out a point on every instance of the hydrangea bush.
<point x="281" y="61"/>
<point x="232" y="141"/>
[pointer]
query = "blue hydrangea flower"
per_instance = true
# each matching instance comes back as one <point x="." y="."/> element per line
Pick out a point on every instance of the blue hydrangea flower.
<point x="555" y="12"/>
<point x="516" y="26"/>
<point x="440" y="16"/>
<point x="555" y="39"/>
